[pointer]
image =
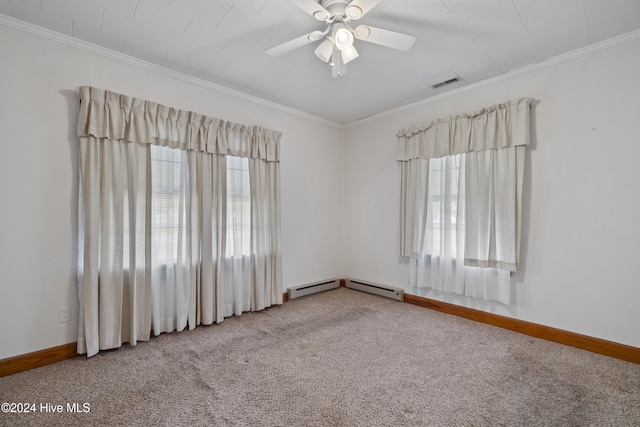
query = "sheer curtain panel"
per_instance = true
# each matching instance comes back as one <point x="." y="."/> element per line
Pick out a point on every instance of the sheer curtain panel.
<point x="460" y="204"/>
<point x="154" y="227"/>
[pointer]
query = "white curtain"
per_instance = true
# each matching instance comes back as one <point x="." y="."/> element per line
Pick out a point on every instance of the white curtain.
<point x="187" y="225"/>
<point x="153" y="220"/>
<point x="238" y="250"/>
<point x="114" y="268"/>
<point x="461" y="188"/>
<point x="266" y="255"/>
<point x="171" y="256"/>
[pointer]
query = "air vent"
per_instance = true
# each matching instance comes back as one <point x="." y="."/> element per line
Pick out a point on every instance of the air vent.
<point x="444" y="83"/>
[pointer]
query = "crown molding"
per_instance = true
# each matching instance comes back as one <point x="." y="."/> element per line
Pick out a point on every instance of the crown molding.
<point x="553" y="61"/>
<point x="196" y="81"/>
<point x="68" y="40"/>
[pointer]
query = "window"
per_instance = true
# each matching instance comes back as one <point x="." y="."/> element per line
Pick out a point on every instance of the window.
<point x="461" y="199"/>
<point x="452" y="203"/>
<point x="168" y="211"/>
<point x="443" y="199"/>
<point x="171" y="238"/>
<point x="238" y="207"/>
<point x="168" y="179"/>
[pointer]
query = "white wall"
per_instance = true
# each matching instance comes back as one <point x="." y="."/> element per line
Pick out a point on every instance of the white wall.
<point x="581" y="198"/>
<point x="38" y="172"/>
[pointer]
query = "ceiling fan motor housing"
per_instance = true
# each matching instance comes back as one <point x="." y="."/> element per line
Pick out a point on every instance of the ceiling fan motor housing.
<point x="336" y="7"/>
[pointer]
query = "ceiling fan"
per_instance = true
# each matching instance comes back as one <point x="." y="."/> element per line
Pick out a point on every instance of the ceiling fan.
<point x="337" y="47"/>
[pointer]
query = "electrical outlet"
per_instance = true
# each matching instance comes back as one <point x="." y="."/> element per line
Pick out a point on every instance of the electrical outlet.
<point x="377" y="269"/>
<point x="64" y="314"/>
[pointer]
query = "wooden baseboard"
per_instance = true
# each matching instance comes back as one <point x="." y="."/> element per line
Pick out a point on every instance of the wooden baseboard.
<point x="595" y="345"/>
<point x="48" y="356"/>
<point x="24" y="362"/>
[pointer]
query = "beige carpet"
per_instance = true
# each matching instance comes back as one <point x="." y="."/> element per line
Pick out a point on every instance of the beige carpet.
<point x="340" y="358"/>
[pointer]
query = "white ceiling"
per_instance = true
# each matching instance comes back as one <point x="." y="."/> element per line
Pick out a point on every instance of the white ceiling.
<point x="224" y="42"/>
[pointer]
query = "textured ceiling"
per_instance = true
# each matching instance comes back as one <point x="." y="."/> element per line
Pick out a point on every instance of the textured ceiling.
<point x="224" y="42"/>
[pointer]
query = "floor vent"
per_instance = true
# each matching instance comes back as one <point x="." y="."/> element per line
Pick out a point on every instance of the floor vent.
<point x="313" y="288"/>
<point x="372" y="288"/>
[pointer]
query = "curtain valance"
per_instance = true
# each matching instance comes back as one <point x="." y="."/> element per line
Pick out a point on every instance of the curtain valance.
<point x="105" y="114"/>
<point x="498" y="126"/>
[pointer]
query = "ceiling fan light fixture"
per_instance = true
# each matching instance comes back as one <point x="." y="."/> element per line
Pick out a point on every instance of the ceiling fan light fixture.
<point x="324" y="50"/>
<point x="343" y="37"/>
<point x="349" y="54"/>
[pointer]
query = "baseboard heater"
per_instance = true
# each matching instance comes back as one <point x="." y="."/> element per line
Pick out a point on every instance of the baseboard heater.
<point x="374" y="288"/>
<point x="313" y="288"/>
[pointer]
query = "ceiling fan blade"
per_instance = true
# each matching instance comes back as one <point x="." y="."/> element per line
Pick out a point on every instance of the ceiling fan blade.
<point x="358" y="8"/>
<point x="384" y="37"/>
<point x="313" y="8"/>
<point x="287" y="47"/>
